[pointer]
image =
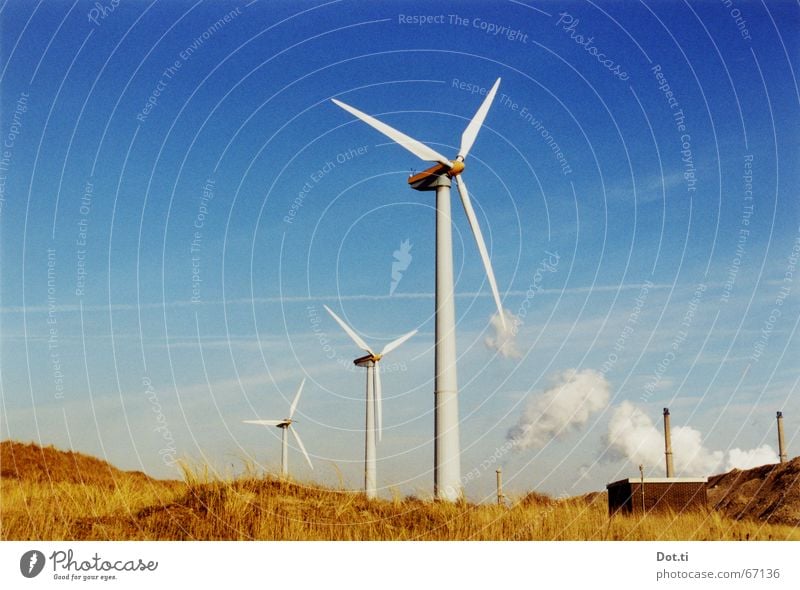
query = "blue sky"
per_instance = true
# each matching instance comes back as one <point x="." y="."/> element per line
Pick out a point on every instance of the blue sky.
<point x="138" y="131"/>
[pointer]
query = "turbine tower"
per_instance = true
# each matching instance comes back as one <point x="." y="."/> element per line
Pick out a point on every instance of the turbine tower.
<point x="286" y="425"/>
<point x="374" y="413"/>
<point x="447" y="451"/>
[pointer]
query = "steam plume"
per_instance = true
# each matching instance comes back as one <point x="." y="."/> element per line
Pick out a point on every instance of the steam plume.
<point x="504" y="339"/>
<point x="763" y="455"/>
<point x="564" y="407"/>
<point x="632" y="433"/>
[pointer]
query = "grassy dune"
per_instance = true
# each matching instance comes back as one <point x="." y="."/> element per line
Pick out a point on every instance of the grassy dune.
<point x="108" y="504"/>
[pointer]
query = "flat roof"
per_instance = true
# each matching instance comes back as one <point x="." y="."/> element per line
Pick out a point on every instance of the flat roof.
<point x="660" y="480"/>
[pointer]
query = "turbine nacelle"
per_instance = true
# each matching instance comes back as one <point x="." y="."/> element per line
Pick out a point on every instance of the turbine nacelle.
<point x="364" y="361"/>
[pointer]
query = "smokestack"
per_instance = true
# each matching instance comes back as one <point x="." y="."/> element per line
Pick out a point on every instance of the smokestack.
<point x="641" y="473"/>
<point x="781" y="440"/>
<point x="668" y="444"/>
<point x="500" y="496"/>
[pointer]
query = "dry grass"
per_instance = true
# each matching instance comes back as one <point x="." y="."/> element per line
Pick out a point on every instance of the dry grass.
<point x="123" y="506"/>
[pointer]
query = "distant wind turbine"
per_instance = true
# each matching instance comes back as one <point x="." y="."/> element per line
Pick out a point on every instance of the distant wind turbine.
<point x="374" y="414"/>
<point x="286" y="425"/>
<point x="447" y="454"/>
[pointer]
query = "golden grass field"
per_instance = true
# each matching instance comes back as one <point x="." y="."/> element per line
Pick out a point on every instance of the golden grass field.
<point x="82" y="498"/>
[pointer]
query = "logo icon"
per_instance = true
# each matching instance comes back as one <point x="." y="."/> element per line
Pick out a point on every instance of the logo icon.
<point x="31" y="563"/>
<point x="401" y="262"/>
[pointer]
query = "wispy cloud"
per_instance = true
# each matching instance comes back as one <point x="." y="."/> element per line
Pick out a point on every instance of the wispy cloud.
<point x="186" y="303"/>
<point x="648" y="189"/>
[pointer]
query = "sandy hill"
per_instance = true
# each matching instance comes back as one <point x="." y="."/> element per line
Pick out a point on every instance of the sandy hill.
<point x="30" y="462"/>
<point x="770" y="493"/>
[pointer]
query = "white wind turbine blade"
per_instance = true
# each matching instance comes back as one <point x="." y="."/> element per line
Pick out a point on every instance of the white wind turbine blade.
<point x="378" y="400"/>
<point x="350" y="332"/>
<point x="476" y="231"/>
<point x="395" y="343"/>
<point x="417" y="148"/>
<point x="471" y="132"/>
<point x="301" y="445"/>
<point x="265" y="422"/>
<point x="296" y="399"/>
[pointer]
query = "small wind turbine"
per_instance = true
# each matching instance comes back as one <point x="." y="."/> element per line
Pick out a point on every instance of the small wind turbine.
<point x="286" y="425"/>
<point x="447" y="453"/>
<point x="374" y="414"/>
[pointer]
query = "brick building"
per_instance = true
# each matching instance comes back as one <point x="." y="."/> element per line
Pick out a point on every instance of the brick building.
<point x="680" y="494"/>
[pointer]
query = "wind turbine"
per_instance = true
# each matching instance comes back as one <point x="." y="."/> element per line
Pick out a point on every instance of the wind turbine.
<point x="447" y="453"/>
<point x="286" y="425"/>
<point x="374" y="414"/>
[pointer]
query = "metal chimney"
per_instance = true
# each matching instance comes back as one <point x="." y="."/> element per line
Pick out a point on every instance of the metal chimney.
<point x="668" y="444"/>
<point x="500" y="496"/>
<point x="781" y="440"/>
<point x="641" y="473"/>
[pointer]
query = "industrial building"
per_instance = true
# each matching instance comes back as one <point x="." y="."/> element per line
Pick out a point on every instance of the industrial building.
<point x="637" y="496"/>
